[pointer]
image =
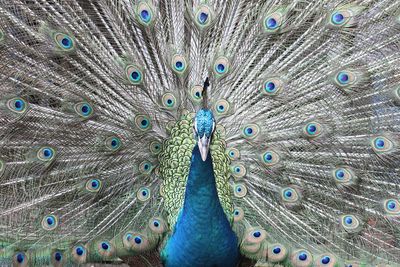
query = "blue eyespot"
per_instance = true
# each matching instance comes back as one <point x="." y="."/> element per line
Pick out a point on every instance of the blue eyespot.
<point x="379" y="143"/>
<point x="79" y="250"/>
<point x="179" y="65"/>
<point x="221" y="66"/>
<point x="49" y="222"/>
<point x="115" y="143"/>
<point x="20" y="257"/>
<point x="105" y="245"/>
<point x="251" y="131"/>
<point x="142" y="122"/>
<point x="240" y="190"/>
<point x="128" y="237"/>
<point x="64" y="41"/>
<point x="93" y="185"/>
<point x="303" y="256"/>
<point x="145" y="15"/>
<point x="143" y="193"/>
<point x="391" y="205"/>
<point x="311" y="128"/>
<point x="337" y="18"/>
<point x="343" y="78"/>
<point x="290" y="195"/>
<point x="45" y="154"/>
<point x="271" y="23"/>
<point x="156" y="223"/>
<point x="268" y="157"/>
<point x="382" y="144"/>
<point x="340" y="174"/>
<point x="17" y="105"/>
<point x="348" y="220"/>
<point x="203" y="17"/>
<point x="135" y="76"/>
<point x="325" y="260"/>
<point x="256" y="234"/>
<point x="138" y="240"/>
<point x="58" y="256"/>
<point x="276" y="250"/>
<point x="270" y="87"/>
<point x="168" y="101"/>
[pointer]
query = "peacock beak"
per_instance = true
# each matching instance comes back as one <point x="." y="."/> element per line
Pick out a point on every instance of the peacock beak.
<point x="204" y="144"/>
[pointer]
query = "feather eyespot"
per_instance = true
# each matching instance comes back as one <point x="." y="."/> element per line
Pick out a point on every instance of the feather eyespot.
<point x="64" y="41"/>
<point x="155" y="147"/>
<point x="145" y="13"/>
<point x="273" y="22"/>
<point x="339" y="18"/>
<point x="84" y="109"/>
<point x="222" y="107"/>
<point x="392" y="207"/>
<point x="270" y="158"/>
<point x="344" y="175"/>
<point x="157" y="225"/>
<point x="350" y="223"/>
<point x="345" y="78"/>
<point x="233" y="153"/>
<point x="312" y="130"/>
<point x="197" y="93"/>
<point x="49" y="222"/>
<point x="179" y="64"/>
<point x="238" y="214"/>
<point x="145" y="167"/>
<point x="325" y="260"/>
<point x="272" y="86"/>
<point x="79" y="253"/>
<point x="250" y="131"/>
<point x="277" y="253"/>
<point x="93" y="185"/>
<point x="238" y="171"/>
<point x="240" y="190"/>
<point x="301" y="258"/>
<point x="17" y="105"/>
<point x="381" y="144"/>
<point x="113" y="143"/>
<point x="143" y="194"/>
<point x="221" y="66"/>
<point x="142" y="122"/>
<point x="46" y="154"/>
<point x="20" y="259"/>
<point x="105" y="248"/>
<point x="169" y="101"/>
<point x="204" y="16"/>
<point x="134" y="74"/>
<point x="57" y="258"/>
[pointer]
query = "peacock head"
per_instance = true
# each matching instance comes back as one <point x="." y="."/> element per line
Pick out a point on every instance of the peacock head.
<point x="204" y="126"/>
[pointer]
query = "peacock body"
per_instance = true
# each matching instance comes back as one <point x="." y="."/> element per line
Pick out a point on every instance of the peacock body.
<point x="112" y="149"/>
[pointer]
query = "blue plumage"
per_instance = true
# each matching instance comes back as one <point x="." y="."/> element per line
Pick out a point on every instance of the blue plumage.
<point x="203" y="235"/>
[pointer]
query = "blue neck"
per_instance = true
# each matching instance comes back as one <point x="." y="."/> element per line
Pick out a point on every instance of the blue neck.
<point x="202" y="234"/>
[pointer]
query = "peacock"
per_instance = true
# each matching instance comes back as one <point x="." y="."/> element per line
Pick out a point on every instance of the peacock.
<point x="204" y="133"/>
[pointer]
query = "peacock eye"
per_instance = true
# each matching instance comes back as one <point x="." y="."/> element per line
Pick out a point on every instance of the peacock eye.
<point x="339" y="18"/>
<point x="79" y="251"/>
<point x="290" y="195"/>
<point x="238" y="214"/>
<point x="143" y="193"/>
<point x="203" y="16"/>
<point x="221" y="66"/>
<point x="93" y="185"/>
<point x="17" y="105"/>
<point x="84" y="109"/>
<point x="19" y="258"/>
<point x="221" y="107"/>
<point x="64" y="41"/>
<point x="270" y="158"/>
<point x="233" y="153"/>
<point x="145" y="167"/>
<point x="272" y="86"/>
<point x="392" y="207"/>
<point x="302" y="256"/>
<point x="134" y="74"/>
<point x="343" y="175"/>
<point x="155" y="147"/>
<point x="113" y="143"/>
<point x="277" y="253"/>
<point x="105" y="245"/>
<point x="142" y="122"/>
<point x="57" y="256"/>
<point x="250" y="131"/>
<point x="312" y="129"/>
<point x="145" y="13"/>
<point x="46" y="154"/>
<point x="238" y="171"/>
<point x="197" y="93"/>
<point x="273" y="22"/>
<point x="381" y="144"/>
<point x="157" y="225"/>
<point x="344" y="78"/>
<point x="179" y="64"/>
<point x="350" y="223"/>
<point x="49" y="222"/>
<point x="169" y="101"/>
<point x="240" y="190"/>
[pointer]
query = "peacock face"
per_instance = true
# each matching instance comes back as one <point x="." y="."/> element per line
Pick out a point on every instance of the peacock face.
<point x="204" y="126"/>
